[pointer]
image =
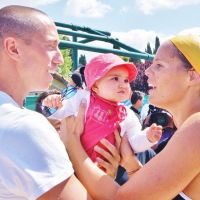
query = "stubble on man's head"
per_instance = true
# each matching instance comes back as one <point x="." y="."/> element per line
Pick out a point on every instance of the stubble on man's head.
<point x="21" y="22"/>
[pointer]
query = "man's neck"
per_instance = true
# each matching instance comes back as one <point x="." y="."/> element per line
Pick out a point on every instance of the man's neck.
<point x="18" y="97"/>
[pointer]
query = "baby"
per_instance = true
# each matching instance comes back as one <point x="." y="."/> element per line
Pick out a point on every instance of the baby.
<point x="107" y="78"/>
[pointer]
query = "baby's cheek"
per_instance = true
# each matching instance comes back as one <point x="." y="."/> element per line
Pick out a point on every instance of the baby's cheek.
<point x="129" y="92"/>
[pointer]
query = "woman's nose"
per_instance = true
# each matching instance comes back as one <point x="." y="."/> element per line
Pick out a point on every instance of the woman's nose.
<point x="148" y="71"/>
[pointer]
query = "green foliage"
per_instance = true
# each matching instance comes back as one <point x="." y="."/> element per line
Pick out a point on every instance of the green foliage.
<point x="65" y="69"/>
<point x="82" y="60"/>
<point x="126" y="59"/>
<point x="129" y="59"/>
<point x="135" y="60"/>
<point x="157" y="44"/>
<point x="148" y="49"/>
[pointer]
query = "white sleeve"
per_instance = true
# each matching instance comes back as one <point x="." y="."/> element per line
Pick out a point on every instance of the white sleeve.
<point x="137" y="138"/>
<point x="144" y="112"/>
<point x="32" y="157"/>
<point x="71" y="105"/>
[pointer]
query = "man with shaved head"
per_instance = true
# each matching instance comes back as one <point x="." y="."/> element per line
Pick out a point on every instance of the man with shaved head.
<point x="33" y="160"/>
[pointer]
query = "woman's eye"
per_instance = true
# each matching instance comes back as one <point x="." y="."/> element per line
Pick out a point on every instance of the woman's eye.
<point x="158" y="66"/>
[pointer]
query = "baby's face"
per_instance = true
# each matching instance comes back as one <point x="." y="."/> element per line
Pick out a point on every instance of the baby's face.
<point x="114" y="86"/>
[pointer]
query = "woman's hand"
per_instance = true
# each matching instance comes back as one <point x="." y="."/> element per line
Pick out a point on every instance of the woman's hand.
<point x="73" y="126"/>
<point x="55" y="123"/>
<point x="111" y="156"/>
<point x="128" y="159"/>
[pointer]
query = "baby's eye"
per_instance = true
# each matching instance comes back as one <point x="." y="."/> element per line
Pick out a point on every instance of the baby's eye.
<point x="126" y="81"/>
<point x="115" y="78"/>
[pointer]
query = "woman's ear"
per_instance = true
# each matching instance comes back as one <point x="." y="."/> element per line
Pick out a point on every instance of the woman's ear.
<point x="194" y="77"/>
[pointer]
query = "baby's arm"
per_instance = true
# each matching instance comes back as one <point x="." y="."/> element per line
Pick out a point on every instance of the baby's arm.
<point x="69" y="106"/>
<point x="137" y="138"/>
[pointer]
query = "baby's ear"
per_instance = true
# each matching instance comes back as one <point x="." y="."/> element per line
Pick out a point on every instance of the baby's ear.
<point x="95" y="88"/>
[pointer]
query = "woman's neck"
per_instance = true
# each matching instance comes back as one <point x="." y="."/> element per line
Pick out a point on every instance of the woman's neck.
<point x="184" y="109"/>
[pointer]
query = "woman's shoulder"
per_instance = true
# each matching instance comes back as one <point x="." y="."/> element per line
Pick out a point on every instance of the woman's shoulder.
<point x="192" y="123"/>
<point x="189" y="131"/>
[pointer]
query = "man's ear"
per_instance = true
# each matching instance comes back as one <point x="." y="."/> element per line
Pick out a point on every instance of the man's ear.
<point x="10" y="46"/>
<point x="194" y="77"/>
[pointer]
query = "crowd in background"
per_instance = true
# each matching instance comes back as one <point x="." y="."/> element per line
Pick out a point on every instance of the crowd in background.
<point x="140" y="83"/>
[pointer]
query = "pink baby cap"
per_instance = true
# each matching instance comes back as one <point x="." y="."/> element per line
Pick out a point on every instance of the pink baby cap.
<point x="102" y="64"/>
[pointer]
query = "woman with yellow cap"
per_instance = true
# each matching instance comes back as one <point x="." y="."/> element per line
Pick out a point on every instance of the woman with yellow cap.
<point x="174" y="84"/>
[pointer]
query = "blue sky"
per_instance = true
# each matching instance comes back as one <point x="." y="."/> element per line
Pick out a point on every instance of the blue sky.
<point x="134" y="22"/>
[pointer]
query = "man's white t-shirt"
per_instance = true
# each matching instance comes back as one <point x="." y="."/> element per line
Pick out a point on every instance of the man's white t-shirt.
<point x="32" y="157"/>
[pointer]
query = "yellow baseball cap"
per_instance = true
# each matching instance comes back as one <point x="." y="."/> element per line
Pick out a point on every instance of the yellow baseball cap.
<point x="189" y="46"/>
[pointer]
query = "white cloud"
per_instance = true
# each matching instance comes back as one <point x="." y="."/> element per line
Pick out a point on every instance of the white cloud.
<point x="194" y="30"/>
<point x="149" y="6"/>
<point x="32" y="3"/>
<point x="138" y="38"/>
<point x="86" y="8"/>
<point x="89" y="55"/>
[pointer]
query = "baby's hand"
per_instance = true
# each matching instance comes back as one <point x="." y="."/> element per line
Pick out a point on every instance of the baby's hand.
<point x="53" y="101"/>
<point x="154" y="133"/>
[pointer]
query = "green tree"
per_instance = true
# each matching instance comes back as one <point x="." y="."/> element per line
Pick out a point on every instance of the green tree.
<point x="82" y="60"/>
<point x="157" y="44"/>
<point x="125" y="58"/>
<point x="148" y="49"/>
<point x="66" y="67"/>
<point x="135" y="60"/>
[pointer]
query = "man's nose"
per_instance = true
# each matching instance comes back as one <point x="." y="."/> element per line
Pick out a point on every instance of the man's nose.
<point x="58" y="59"/>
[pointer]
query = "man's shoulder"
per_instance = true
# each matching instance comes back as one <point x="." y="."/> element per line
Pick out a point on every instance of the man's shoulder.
<point x="16" y="118"/>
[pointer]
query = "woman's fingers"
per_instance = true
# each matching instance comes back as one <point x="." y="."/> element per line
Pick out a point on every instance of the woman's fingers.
<point x="117" y="139"/>
<point x="107" y="167"/>
<point x="114" y="151"/>
<point x="125" y="150"/>
<point x="109" y="157"/>
<point x="107" y="161"/>
<point x="80" y="119"/>
<point x="67" y="128"/>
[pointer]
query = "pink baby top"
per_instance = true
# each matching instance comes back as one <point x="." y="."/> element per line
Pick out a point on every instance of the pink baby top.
<point x="102" y="118"/>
